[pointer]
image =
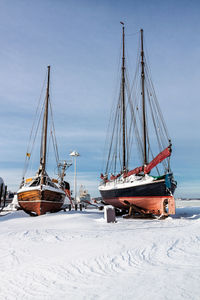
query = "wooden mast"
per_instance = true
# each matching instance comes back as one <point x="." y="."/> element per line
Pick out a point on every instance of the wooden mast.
<point x="45" y="124"/>
<point x="143" y="101"/>
<point x="123" y="100"/>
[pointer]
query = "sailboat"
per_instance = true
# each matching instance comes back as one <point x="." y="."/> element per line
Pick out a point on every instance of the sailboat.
<point x="40" y="194"/>
<point x="137" y="186"/>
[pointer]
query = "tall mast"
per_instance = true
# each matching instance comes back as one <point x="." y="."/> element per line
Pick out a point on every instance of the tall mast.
<point x="123" y="100"/>
<point x="143" y="100"/>
<point x="45" y="125"/>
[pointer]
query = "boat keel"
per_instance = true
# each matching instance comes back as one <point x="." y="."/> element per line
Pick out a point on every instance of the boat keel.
<point x="160" y="212"/>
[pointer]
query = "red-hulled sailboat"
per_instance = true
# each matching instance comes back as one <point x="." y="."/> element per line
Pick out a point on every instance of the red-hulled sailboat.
<point x="40" y="194"/>
<point x="138" y="115"/>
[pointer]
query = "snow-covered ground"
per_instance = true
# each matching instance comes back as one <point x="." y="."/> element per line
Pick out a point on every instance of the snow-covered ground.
<point x="76" y="255"/>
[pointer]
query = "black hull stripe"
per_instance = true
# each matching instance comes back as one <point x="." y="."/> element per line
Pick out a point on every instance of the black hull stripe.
<point x="151" y="189"/>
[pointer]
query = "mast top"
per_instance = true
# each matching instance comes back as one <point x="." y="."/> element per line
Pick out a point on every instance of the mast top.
<point x="122" y="23"/>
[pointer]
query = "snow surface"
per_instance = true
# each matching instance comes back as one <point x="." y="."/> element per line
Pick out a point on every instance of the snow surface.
<point x="77" y="255"/>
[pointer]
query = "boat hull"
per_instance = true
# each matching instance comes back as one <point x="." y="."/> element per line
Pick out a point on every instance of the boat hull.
<point x="153" y="197"/>
<point x="39" y="202"/>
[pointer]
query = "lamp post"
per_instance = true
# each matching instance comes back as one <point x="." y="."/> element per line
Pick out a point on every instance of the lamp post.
<point x="75" y="154"/>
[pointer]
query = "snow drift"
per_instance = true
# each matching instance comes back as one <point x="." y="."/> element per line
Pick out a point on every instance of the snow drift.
<point x="77" y="255"/>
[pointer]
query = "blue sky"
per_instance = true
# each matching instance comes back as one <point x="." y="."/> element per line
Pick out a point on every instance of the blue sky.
<point x="81" y="41"/>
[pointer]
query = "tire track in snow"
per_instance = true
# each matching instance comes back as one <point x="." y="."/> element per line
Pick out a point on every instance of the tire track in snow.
<point x="172" y="254"/>
<point x="133" y="261"/>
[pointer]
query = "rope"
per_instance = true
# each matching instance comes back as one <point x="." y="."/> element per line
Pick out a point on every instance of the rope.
<point x="54" y="141"/>
<point x="134" y="121"/>
<point x="32" y="135"/>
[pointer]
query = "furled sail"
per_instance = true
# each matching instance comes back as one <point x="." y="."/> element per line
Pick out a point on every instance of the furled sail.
<point x="158" y="159"/>
<point x="146" y="169"/>
<point x="134" y="171"/>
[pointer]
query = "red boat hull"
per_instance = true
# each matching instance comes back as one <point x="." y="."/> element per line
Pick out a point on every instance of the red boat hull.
<point x="154" y="197"/>
<point x="156" y="205"/>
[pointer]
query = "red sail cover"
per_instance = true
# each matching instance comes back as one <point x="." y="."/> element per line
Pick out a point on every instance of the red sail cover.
<point x="113" y="177"/>
<point x="134" y="171"/>
<point x="158" y="159"/>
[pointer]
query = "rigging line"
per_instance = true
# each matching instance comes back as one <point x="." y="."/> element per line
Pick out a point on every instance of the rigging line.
<point x="132" y="116"/>
<point x="111" y="144"/>
<point x="162" y="123"/>
<point x="155" y="127"/>
<point x="136" y="86"/>
<point x="127" y="142"/>
<point x="150" y="150"/>
<point x="127" y="131"/>
<point x="107" y="139"/>
<point x="141" y="115"/>
<point x="34" y="138"/>
<point x="31" y="133"/>
<point x="127" y="150"/>
<point x="154" y="122"/>
<point x="135" y="111"/>
<point x="137" y="63"/>
<point x="41" y="144"/>
<point x="120" y="145"/>
<point x="159" y="122"/>
<point x="169" y="167"/>
<point x="119" y="137"/>
<point x="113" y="159"/>
<point x="131" y="34"/>
<point x="116" y="144"/>
<point x="146" y="58"/>
<point x="110" y="124"/>
<point x="141" y="124"/>
<point x="135" y="83"/>
<point x="132" y="110"/>
<point x="119" y="140"/>
<point x="31" y="163"/>
<point x="151" y="85"/>
<point x="53" y="126"/>
<point x="113" y="106"/>
<point x="148" y="72"/>
<point x="48" y="148"/>
<point x="54" y="147"/>
<point x="54" y="134"/>
<point x="161" y="134"/>
<point x="133" y="92"/>
<point x="113" y="131"/>
<point x="157" y="104"/>
<point x="36" y="112"/>
<point x="152" y="159"/>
